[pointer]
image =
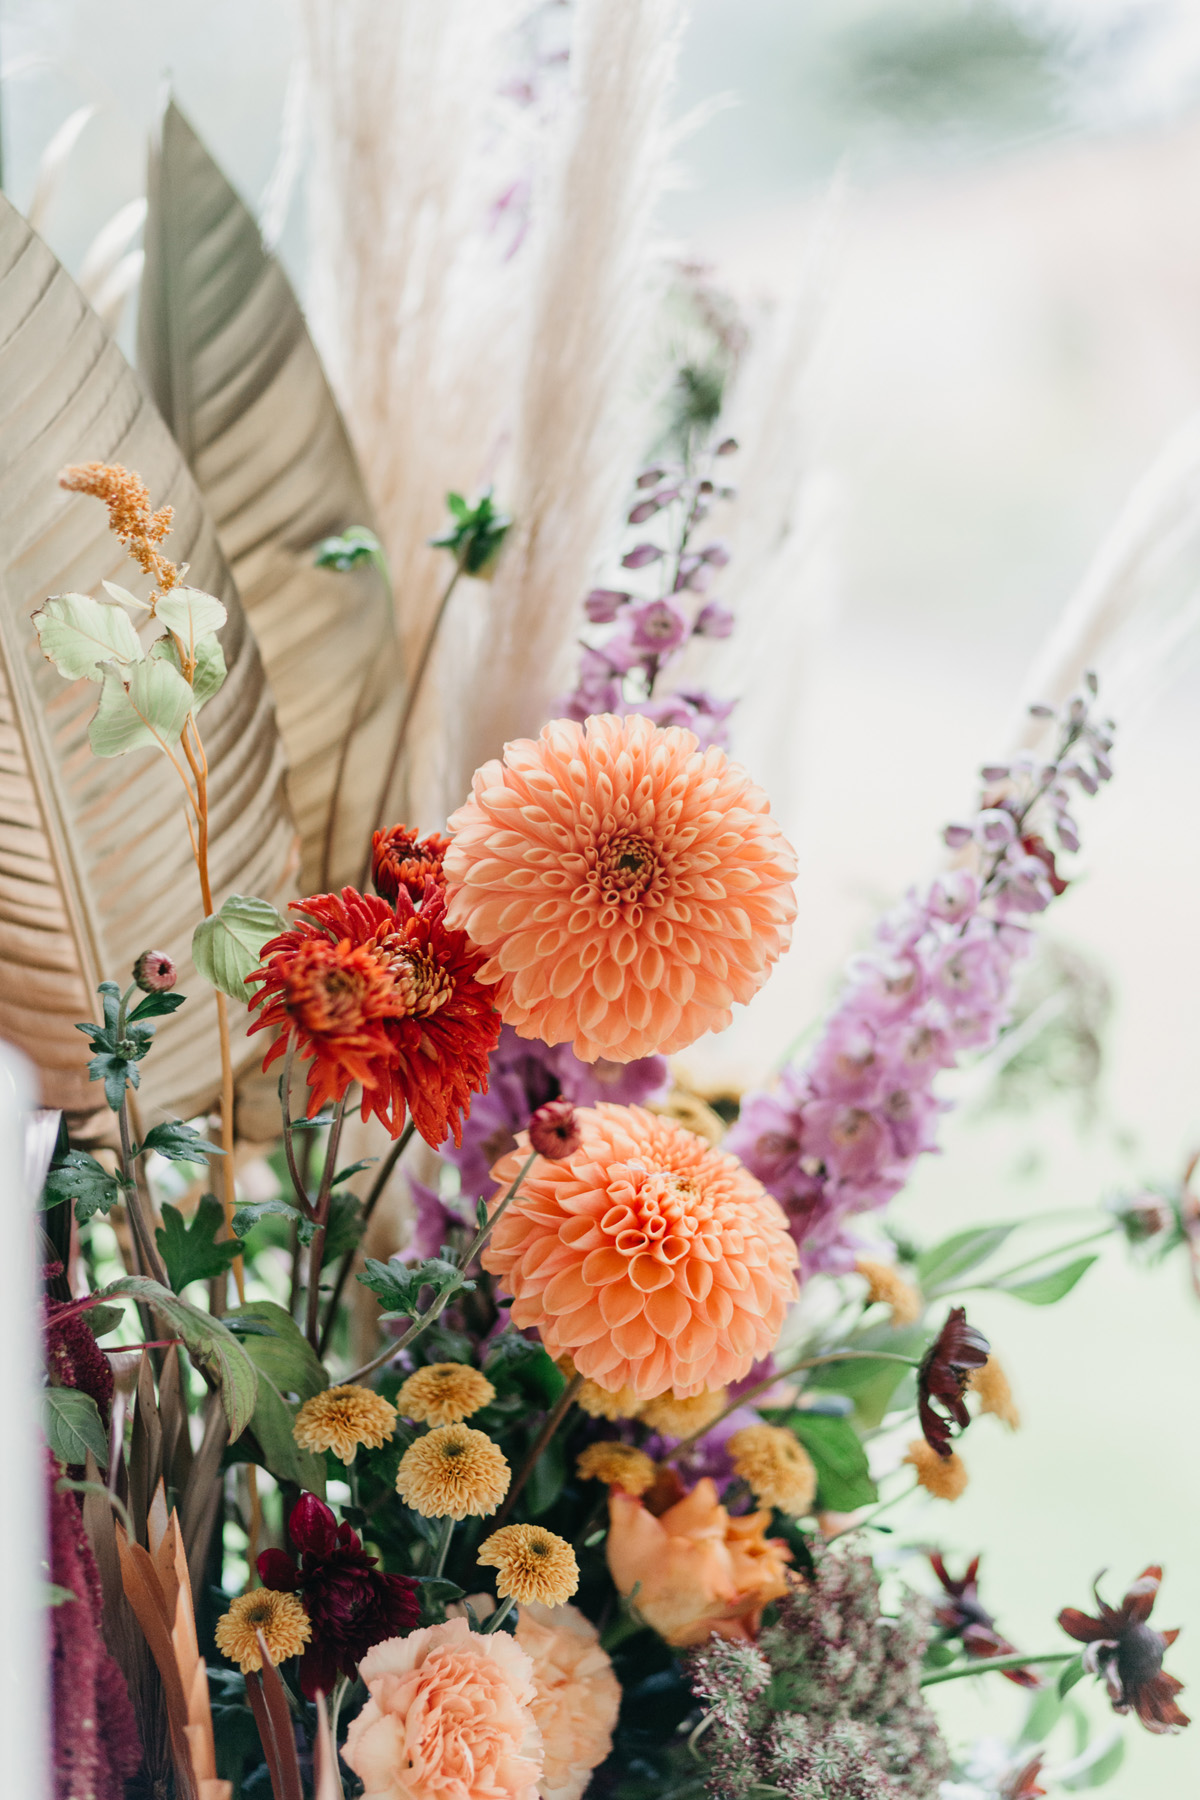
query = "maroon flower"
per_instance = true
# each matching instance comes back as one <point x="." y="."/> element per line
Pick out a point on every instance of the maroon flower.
<point x="1023" y="1785"/>
<point x="154" y="972"/>
<point x="74" y="1359"/>
<point x="554" y="1131"/>
<point x="1128" y="1653"/>
<point x="945" y="1370"/>
<point x="962" y="1614"/>
<point x="351" y="1604"/>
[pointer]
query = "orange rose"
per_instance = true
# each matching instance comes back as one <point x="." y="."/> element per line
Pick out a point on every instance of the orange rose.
<point x="695" y="1569"/>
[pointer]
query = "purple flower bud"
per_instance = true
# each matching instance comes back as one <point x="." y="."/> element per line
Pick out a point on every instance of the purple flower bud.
<point x="645" y="509"/>
<point x="957" y="837"/>
<point x="713" y="620"/>
<point x="1039" y="711"/>
<point x="154" y="972"/>
<point x="1067" y="836"/>
<point x="1076" y="772"/>
<point x="726" y="447"/>
<point x="705" y="487"/>
<point x="554" y="1131"/>
<point x="1077" y="711"/>
<point x="650" y="477"/>
<point x="717" y="553"/>
<point x="640" y="555"/>
<point x="603" y="604"/>
<point x="995" y="771"/>
<point x="995" y="828"/>
<point x="659" y="625"/>
<point x="1090" y="682"/>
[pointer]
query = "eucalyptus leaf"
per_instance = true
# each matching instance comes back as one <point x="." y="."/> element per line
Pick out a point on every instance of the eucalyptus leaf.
<point x="78" y="633"/>
<point x="227" y="946"/>
<point x="1044" y="1290"/>
<point x="74" y="1426"/>
<point x="191" y="614"/>
<point x="148" y="709"/>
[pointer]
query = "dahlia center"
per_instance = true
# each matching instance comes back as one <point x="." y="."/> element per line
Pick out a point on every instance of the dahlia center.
<point x="656" y="1212"/>
<point x="327" y="1000"/>
<point x="628" y="866"/>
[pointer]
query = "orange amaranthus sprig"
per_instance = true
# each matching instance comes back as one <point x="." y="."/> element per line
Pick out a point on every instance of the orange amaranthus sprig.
<point x="129" y="517"/>
<point x="388" y="996"/>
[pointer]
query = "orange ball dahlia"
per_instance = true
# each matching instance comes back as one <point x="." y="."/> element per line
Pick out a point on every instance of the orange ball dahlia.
<point x="651" y="1259"/>
<point x="626" y="886"/>
<point x="386" y="996"/>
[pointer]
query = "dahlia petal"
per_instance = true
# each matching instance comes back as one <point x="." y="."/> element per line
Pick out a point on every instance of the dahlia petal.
<point x="648" y="1272"/>
<point x="636" y="1337"/>
<point x="619" y="1302"/>
<point x="567" y="1291"/>
<point x="605" y="1266"/>
<point x="668" y="1311"/>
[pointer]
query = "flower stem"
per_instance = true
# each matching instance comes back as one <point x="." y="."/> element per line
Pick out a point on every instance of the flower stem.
<point x="997" y="1281"/>
<point x="809" y="1362"/>
<point x="443" y="1545"/>
<point x="998" y="1663"/>
<point x="152" y="1262"/>
<point x="501" y="1613"/>
<point x="316" y="1253"/>
<point x="299" y="1185"/>
<point x="554" y="1419"/>
<point x="870" y="1518"/>
<point x="368" y="1207"/>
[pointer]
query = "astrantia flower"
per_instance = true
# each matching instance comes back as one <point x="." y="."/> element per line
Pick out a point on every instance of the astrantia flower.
<point x="342" y="1418"/>
<point x="449" y="1717"/>
<point x="531" y="1563"/>
<point x="389" y="997"/>
<point x="963" y="1615"/>
<point x="617" y="1465"/>
<point x="942" y="1475"/>
<point x="651" y="1259"/>
<point x="675" y="1418"/>
<point x="1128" y="1653"/>
<point x="627" y="888"/>
<point x="280" y="1618"/>
<point x="577" y="1695"/>
<point x="350" y="1602"/>
<point x="451" y="1472"/>
<point x="444" y="1393"/>
<point x="401" y="859"/>
<point x="946" y="1368"/>
<point x="775" y="1467"/>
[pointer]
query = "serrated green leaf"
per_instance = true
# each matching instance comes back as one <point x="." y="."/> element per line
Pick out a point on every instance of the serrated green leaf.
<point x="227" y="946"/>
<point x="156" y="1006"/>
<point x="1044" y="1290"/>
<point x="209" y="672"/>
<point x="191" y="614"/>
<point x="151" y="711"/>
<point x="843" y="1476"/>
<point x="399" y="1287"/>
<point x="79" y="1177"/>
<point x="209" y="1343"/>
<point x="285" y="1357"/>
<point x="78" y="634"/>
<point x="74" y="1426"/>
<point x="515" y="1366"/>
<point x="180" y="1143"/>
<point x="941" y="1267"/>
<point x="344" y="1226"/>
<point x="191" y="1252"/>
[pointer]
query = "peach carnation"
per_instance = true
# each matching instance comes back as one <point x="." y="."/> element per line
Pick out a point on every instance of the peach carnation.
<point x="649" y="1258"/>
<point x="577" y="1696"/>
<point x="626" y="886"/>
<point x="449" y="1718"/>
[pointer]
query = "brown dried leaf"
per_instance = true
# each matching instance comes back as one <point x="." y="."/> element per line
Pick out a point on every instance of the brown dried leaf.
<point x="95" y="863"/>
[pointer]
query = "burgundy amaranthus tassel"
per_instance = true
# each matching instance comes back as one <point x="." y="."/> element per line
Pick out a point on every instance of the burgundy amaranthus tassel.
<point x="96" y="1746"/>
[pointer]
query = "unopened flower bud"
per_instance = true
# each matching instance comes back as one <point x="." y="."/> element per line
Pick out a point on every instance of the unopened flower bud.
<point x="713" y="620"/>
<point x="554" y="1131"/>
<point x="603" y="604"/>
<point x="154" y="972"/>
<point x="727" y="446"/>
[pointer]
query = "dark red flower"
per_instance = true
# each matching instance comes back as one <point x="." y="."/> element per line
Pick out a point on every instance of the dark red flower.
<point x="1128" y="1653"/>
<point x="1023" y="1785"/>
<point x="74" y="1359"/>
<point x="945" y="1370"/>
<point x="386" y="996"/>
<point x="1033" y="845"/>
<point x="401" y="859"/>
<point x="963" y="1615"/>
<point x="350" y="1602"/>
<point x="554" y="1131"/>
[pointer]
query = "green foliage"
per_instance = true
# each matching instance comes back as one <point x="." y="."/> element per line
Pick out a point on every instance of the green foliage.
<point x="78" y="634"/>
<point x="940" y="1269"/>
<point x="871" y="1386"/>
<point x="179" y="1143"/>
<point x="399" y="1287"/>
<point x="191" y="1252"/>
<point x="208" y="676"/>
<point x="515" y="1366"/>
<point x="1044" y="1290"/>
<point x="77" y="1176"/>
<point x="227" y="946"/>
<point x="356" y="545"/>
<point x="248" y="1216"/>
<point x="100" y="1320"/>
<point x="211" y="1345"/>
<point x="191" y="614"/>
<point x="143" y="705"/>
<point x="843" y="1477"/>
<point x="278" y="1348"/>
<point x="156" y="1006"/>
<point x="475" y="534"/>
<point x="116" y="1057"/>
<point x="73" y="1426"/>
<point x="1073" y="1672"/>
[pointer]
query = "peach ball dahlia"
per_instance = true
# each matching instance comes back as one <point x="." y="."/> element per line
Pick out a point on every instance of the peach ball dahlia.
<point x="651" y="1259"/>
<point x="626" y="886"/>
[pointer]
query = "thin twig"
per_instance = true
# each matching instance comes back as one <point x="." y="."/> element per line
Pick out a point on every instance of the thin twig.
<point x="368" y="1207"/>
<point x="317" y="1248"/>
<point x="554" y="1419"/>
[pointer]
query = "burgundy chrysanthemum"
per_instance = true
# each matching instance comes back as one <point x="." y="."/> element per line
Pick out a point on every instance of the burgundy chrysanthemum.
<point x="1128" y="1653"/>
<point x="401" y="859"/>
<point x="386" y="996"/>
<point x="943" y="1376"/>
<point x="963" y="1615"/>
<point x="350" y="1602"/>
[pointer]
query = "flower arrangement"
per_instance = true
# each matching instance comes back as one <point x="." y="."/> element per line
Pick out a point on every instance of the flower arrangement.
<point x="585" y="1489"/>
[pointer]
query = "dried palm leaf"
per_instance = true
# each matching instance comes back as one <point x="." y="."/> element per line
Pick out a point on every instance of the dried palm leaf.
<point x="95" y="863"/>
<point x="225" y="351"/>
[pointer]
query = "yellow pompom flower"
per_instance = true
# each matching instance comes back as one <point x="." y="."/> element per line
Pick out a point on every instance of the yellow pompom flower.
<point x="775" y="1467"/>
<point x="596" y="1401"/>
<point x="531" y="1564"/>
<point x="342" y="1418"/>
<point x="281" y="1619"/>
<point x="452" y="1471"/>
<point x="677" y="1418"/>
<point x="995" y="1395"/>
<point x="887" y="1286"/>
<point x="444" y="1393"/>
<point x="617" y="1465"/>
<point x="945" y="1477"/>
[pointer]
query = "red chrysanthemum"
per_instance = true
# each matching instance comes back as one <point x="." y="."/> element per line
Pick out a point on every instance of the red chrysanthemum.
<point x="401" y="859"/>
<point x="385" y="996"/>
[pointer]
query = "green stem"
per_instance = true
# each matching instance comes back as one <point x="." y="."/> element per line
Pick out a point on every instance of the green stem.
<point x="501" y="1613"/>
<point x="554" y="1419"/>
<point x="987" y="1663"/>
<point x="809" y="1362"/>
<point x="369" y="1204"/>
<point x="316" y="1254"/>
<point x="443" y="1546"/>
<point x="998" y="1281"/>
<point x="152" y="1262"/>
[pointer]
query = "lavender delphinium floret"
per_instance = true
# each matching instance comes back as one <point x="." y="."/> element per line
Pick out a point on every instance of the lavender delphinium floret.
<point x="840" y="1133"/>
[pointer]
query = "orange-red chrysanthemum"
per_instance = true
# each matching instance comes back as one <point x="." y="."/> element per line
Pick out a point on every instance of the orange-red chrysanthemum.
<point x="651" y="1259"/>
<point x="627" y="886"/>
<point x="386" y="996"/>
<point x="401" y="859"/>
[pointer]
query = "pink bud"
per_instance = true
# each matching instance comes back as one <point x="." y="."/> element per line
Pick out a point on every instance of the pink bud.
<point x="154" y="972"/>
<point x="554" y="1131"/>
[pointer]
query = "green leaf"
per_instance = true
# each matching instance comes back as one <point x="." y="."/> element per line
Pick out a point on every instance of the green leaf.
<point x="843" y="1477"/>
<point x="871" y="1386"/>
<point x="475" y="535"/>
<point x="74" y="1426"/>
<point x="78" y="634"/>
<point x="156" y="1006"/>
<point x="546" y="1479"/>
<point x="209" y="673"/>
<point x="179" y="1143"/>
<point x="211" y="1345"/>
<point x="285" y="1357"/>
<point x="1073" y="1672"/>
<point x="515" y="1366"/>
<point x="355" y="545"/>
<point x="344" y="1227"/>
<point x="942" y="1267"/>
<point x="115" y="1072"/>
<point x="191" y="614"/>
<point x="399" y="1287"/>
<point x="151" y="710"/>
<point x="248" y="1216"/>
<point x="79" y="1177"/>
<point x="53" y="1595"/>
<point x="271" y="1427"/>
<point x="1105" y="1766"/>
<point x="192" y="1253"/>
<point x="226" y="947"/>
<point x="100" y="1320"/>
<point x="1044" y="1290"/>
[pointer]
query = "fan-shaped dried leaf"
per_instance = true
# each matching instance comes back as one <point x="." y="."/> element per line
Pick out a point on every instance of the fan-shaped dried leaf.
<point x="95" y="863"/>
<point x="226" y="353"/>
